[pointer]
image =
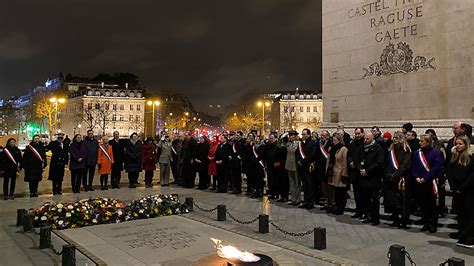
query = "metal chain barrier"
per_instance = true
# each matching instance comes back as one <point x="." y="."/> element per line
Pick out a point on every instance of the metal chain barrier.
<point x="409" y="258"/>
<point x="444" y="263"/>
<point x="59" y="253"/>
<point x="242" y="222"/>
<point x="204" y="210"/>
<point x="309" y="232"/>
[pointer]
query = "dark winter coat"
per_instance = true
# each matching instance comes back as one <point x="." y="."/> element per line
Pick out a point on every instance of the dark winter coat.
<point x="187" y="151"/>
<point x="347" y="139"/>
<point x="92" y="145"/>
<point x="149" y="157"/>
<point x="404" y="165"/>
<point x="274" y="156"/>
<point x="374" y="165"/>
<point x="133" y="157"/>
<point x="32" y="164"/>
<point x="224" y="150"/>
<point x="201" y="153"/>
<point x="355" y="156"/>
<point x="118" y="149"/>
<point x="59" y="158"/>
<point x="237" y="149"/>
<point x="414" y="144"/>
<point x="322" y="159"/>
<point x="457" y="174"/>
<point x="176" y="151"/>
<point x="77" y="150"/>
<point x="435" y="162"/>
<point x="309" y="151"/>
<point x="8" y="166"/>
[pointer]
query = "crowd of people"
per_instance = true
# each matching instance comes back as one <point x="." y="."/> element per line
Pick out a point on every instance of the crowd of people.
<point x="408" y="171"/>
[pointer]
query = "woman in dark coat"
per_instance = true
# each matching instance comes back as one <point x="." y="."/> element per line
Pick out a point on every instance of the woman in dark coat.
<point x="133" y="162"/>
<point x="201" y="163"/>
<point x="189" y="171"/>
<point x="427" y="167"/>
<point x="59" y="158"/>
<point x="77" y="164"/>
<point x="274" y="156"/>
<point x="398" y="191"/>
<point x="149" y="158"/>
<point x="34" y="161"/>
<point x="460" y="173"/>
<point x="11" y="164"/>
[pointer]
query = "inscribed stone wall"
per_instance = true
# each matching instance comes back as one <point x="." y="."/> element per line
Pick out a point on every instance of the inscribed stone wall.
<point x="398" y="60"/>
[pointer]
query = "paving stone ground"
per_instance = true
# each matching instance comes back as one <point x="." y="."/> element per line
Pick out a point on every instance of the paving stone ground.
<point x="348" y="241"/>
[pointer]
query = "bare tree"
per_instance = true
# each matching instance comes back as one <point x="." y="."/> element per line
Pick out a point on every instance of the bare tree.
<point x="90" y="116"/>
<point x="46" y="110"/>
<point x="290" y="116"/>
<point x="315" y="122"/>
<point x="104" y="114"/>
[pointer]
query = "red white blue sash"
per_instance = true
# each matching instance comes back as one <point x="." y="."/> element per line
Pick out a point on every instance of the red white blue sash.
<point x="174" y="151"/>
<point x="234" y="148"/>
<point x="105" y="152"/>
<point x="324" y="152"/>
<point x="10" y="156"/>
<point x="423" y="160"/>
<point x="393" y="160"/>
<point x="435" y="187"/>
<point x="35" y="152"/>
<point x="300" y="148"/>
<point x="256" y="156"/>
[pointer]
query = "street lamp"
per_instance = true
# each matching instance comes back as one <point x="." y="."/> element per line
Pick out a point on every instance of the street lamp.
<point x="56" y="103"/>
<point x="153" y="104"/>
<point x="263" y="105"/>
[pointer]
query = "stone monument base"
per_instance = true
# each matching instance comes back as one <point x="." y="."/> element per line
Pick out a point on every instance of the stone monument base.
<point x="171" y="240"/>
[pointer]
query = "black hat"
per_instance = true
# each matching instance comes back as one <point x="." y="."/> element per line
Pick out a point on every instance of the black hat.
<point x="231" y="133"/>
<point x="150" y="139"/>
<point x="292" y="133"/>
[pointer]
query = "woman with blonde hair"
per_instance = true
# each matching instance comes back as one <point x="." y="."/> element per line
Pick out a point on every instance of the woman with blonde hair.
<point x="460" y="173"/>
<point x="397" y="195"/>
<point x="427" y="166"/>
<point x="338" y="175"/>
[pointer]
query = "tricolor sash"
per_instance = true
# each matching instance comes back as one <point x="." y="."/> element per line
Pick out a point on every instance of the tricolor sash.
<point x="256" y="156"/>
<point x="435" y="187"/>
<point x="324" y="152"/>
<point x="393" y="160"/>
<point x="105" y="153"/>
<point x="35" y="152"/>
<point x="234" y="148"/>
<point x="423" y="160"/>
<point x="10" y="156"/>
<point x="174" y="151"/>
<point x="300" y="148"/>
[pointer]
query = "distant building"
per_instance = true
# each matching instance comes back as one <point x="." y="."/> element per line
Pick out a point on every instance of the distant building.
<point x="104" y="109"/>
<point x="296" y="110"/>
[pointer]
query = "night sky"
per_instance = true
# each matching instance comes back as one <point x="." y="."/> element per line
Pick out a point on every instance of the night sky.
<point x="213" y="51"/>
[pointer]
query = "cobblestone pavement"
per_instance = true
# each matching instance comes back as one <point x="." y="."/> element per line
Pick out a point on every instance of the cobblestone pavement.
<point x="348" y="241"/>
